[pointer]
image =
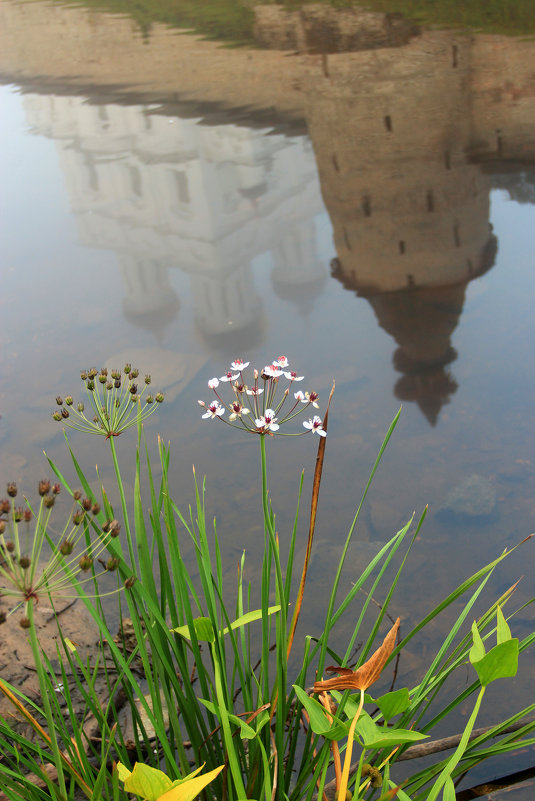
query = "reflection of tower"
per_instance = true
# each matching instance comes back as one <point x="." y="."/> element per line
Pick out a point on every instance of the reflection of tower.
<point x="299" y="275"/>
<point x="163" y="191"/>
<point x="410" y="214"/>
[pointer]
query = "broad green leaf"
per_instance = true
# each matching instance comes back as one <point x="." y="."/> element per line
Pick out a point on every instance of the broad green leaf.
<point x="246" y="732"/>
<point x="319" y="722"/>
<point x="477" y="651"/>
<point x="500" y="663"/>
<point x="394" y="703"/>
<point x="189" y="788"/>
<point x="374" y="736"/>
<point x="149" y="783"/>
<point x="205" y="631"/>
<point x="503" y="632"/>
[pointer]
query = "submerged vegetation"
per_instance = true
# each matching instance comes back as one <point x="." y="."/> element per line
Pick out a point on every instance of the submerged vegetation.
<point x="233" y="20"/>
<point x="215" y="700"/>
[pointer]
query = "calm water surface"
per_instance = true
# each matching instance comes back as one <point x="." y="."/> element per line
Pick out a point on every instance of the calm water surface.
<point x="365" y="207"/>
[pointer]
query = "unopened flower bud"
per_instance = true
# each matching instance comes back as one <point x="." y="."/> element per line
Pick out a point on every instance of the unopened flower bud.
<point x="127" y="368"/>
<point x="95" y="508"/>
<point x="132" y="389"/>
<point x="5" y="506"/>
<point x="135" y="398"/>
<point x="66" y="547"/>
<point x="44" y="487"/>
<point x="159" y="397"/>
<point x="56" y="489"/>
<point x="68" y="400"/>
<point x="147" y="379"/>
<point x="49" y="501"/>
<point x="109" y="385"/>
<point x="12" y="489"/>
<point x="18" y="512"/>
<point x="83" y="375"/>
<point x="77" y="494"/>
<point x="59" y="400"/>
<point x="24" y="623"/>
<point x="102" y="379"/>
<point x="86" y="504"/>
<point x="117" y="383"/>
<point x="80" y="407"/>
<point x="92" y="373"/>
<point x="25" y="562"/>
<point x="134" y="372"/>
<point x="78" y="517"/>
<point x="91" y="385"/>
<point x="104" y="371"/>
<point x="64" y="413"/>
<point x="27" y="515"/>
<point x="255" y="374"/>
<point x="85" y="562"/>
<point x="149" y="399"/>
<point x="112" y="564"/>
<point x="116" y="374"/>
<point x="130" y="581"/>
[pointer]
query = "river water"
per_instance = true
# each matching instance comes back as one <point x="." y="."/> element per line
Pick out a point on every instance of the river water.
<point x="353" y="191"/>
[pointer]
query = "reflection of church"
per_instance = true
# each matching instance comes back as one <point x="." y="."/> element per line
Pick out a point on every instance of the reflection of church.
<point x="408" y="128"/>
<point x="164" y="191"/>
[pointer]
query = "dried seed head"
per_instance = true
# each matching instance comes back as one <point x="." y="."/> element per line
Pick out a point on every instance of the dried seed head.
<point x="12" y="489"/>
<point x="44" y="486"/>
<point x="91" y="385"/>
<point x="127" y="368"/>
<point x="86" y="562"/>
<point x="80" y="407"/>
<point x="25" y="562"/>
<point x="56" y="489"/>
<point x="56" y="416"/>
<point x="68" y="400"/>
<point x="147" y="379"/>
<point x="106" y="526"/>
<point x="78" y="517"/>
<point x="49" y="501"/>
<point x="130" y="581"/>
<point x="117" y="383"/>
<point x="5" y="506"/>
<point x="59" y="400"/>
<point x="87" y="503"/>
<point x="66" y="547"/>
<point x="18" y="513"/>
<point x="27" y="515"/>
<point x="159" y="397"/>
<point x="114" y="528"/>
<point x="95" y="508"/>
<point x="10" y="546"/>
<point x="92" y="373"/>
<point x="77" y="494"/>
<point x="149" y="399"/>
<point x="102" y="379"/>
<point x="83" y="375"/>
<point x="112" y="564"/>
<point x="64" y="413"/>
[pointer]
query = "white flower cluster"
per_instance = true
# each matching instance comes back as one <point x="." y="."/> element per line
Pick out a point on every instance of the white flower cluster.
<point x="259" y="407"/>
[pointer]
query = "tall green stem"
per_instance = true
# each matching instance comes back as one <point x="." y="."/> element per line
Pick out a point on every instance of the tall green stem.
<point x="123" y="504"/>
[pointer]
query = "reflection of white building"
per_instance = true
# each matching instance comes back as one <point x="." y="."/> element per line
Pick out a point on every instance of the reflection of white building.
<point x="169" y="192"/>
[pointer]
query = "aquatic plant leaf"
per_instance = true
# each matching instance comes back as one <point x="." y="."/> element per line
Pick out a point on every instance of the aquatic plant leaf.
<point x="149" y="783"/>
<point x="189" y="788"/>
<point x="500" y="663"/>
<point x="246" y="732"/>
<point x="319" y="720"/>
<point x="205" y="631"/>
<point x="477" y="651"/>
<point x="394" y="703"/>
<point x="374" y="736"/>
<point x="503" y="632"/>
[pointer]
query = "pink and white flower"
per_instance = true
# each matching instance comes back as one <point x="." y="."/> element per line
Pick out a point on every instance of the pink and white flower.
<point x="268" y="422"/>
<point x="238" y="410"/>
<point x="282" y="361"/>
<point x="229" y="376"/>
<point x="312" y="397"/>
<point x="292" y="376"/>
<point x="255" y="391"/>
<point x="213" y="383"/>
<point x="214" y="410"/>
<point x="239" y="364"/>
<point x="315" y="425"/>
<point x="300" y="396"/>
<point x="272" y="371"/>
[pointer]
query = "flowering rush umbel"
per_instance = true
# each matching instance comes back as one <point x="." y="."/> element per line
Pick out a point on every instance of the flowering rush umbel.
<point x="113" y="397"/>
<point x="264" y="404"/>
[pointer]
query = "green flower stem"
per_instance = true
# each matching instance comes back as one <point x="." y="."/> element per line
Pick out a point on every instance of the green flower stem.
<point x="225" y="725"/>
<point x="123" y="504"/>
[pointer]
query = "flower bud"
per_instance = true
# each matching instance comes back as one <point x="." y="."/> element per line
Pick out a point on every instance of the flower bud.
<point x="83" y="375"/>
<point x="149" y="399"/>
<point x="104" y="371"/>
<point x="112" y="564"/>
<point x="114" y="528"/>
<point x="18" y="512"/>
<point x="95" y="509"/>
<point x="86" y="504"/>
<point x="102" y="379"/>
<point x="49" y="501"/>
<point x="86" y="562"/>
<point x="44" y="487"/>
<point x="24" y="623"/>
<point x="66" y="547"/>
<point x="77" y="518"/>
<point x="106" y="526"/>
<point x="117" y="383"/>
<point x="109" y="385"/>
<point x="5" y="506"/>
<point x="64" y="413"/>
<point x="77" y="494"/>
<point x="27" y="515"/>
<point x="132" y="389"/>
<point x="59" y="400"/>
<point x="147" y="379"/>
<point x="159" y="397"/>
<point x="12" y="489"/>
<point x="134" y="372"/>
<point x="68" y="400"/>
<point x="92" y="373"/>
<point x="56" y="489"/>
<point x="25" y="562"/>
<point x="127" y="368"/>
<point x="80" y="407"/>
<point x="135" y="398"/>
<point x="91" y="385"/>
<point x="130" y="581"/>
<point x="116" y="375"/>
